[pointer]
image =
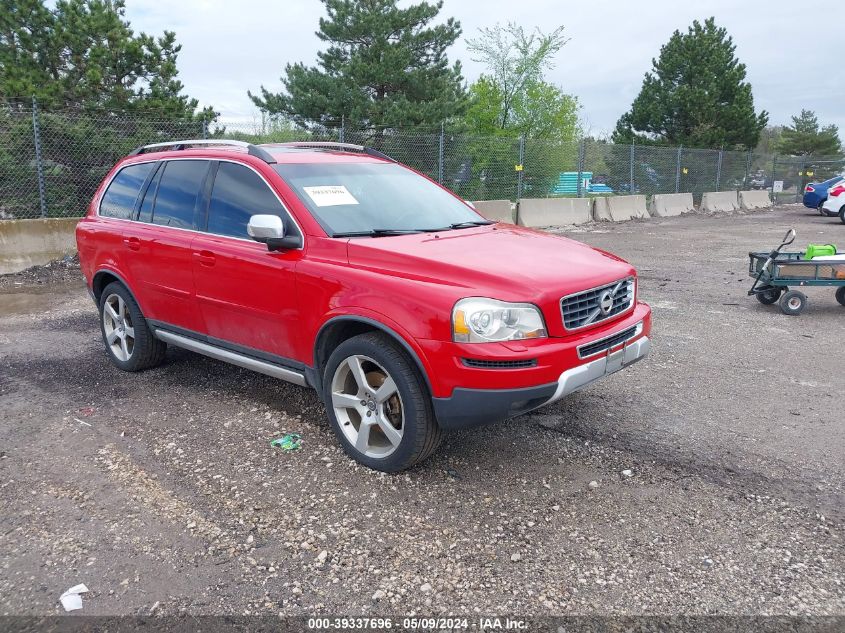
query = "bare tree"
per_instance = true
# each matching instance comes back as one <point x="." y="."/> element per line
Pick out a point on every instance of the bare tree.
<point x="515" y="58"/>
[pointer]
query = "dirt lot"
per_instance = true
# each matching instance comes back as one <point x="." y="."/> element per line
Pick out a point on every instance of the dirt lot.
<point x="160" y="491"/>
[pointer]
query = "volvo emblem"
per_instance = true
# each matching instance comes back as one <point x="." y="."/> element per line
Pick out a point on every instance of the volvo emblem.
<point x="606" y="303"/>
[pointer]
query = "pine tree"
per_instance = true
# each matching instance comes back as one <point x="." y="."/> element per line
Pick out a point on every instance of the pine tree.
<point x="84" y="54"/>
<point x="384" y="66"/>
<point x="695" y="95"/>
<point x="805" y="137"/>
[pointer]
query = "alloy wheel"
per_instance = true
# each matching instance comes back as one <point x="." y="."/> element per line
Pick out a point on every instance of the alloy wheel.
<point x="367" y="406"/>
<point x="117" y="325"/>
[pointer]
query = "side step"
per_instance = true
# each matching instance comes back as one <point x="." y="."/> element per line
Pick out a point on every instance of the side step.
<point x="262" y="367"/>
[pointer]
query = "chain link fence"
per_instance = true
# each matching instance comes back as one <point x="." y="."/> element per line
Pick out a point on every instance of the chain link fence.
<point x="52" y="162"/>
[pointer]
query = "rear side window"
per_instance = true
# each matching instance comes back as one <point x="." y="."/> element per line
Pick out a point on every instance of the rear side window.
<point x="145" y="214"/>
<point x="122" y="193"/>
<point x="178" y="193"/>
<point x="239" y="193"/>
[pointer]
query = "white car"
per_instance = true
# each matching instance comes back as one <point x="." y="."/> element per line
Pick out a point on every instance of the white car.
<point x="835" y="203"/>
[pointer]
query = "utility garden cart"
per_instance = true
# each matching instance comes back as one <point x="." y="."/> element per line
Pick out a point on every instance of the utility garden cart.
<point x="775" y="272"/>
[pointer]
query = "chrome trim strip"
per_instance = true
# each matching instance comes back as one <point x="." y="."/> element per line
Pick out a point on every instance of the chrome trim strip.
<point x="220" y="160"/>
<point x="233" y="358"/>
<point x="580" y="292"/>
<point x="636" y="333"/>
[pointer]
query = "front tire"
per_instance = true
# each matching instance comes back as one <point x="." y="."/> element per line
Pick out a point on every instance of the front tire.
<point x="842" y="214"/>
<point x="840" y="295"/>
<point x="129" y="341"/>
<point x="792" y="303"/>
<point x="378" y="404"/>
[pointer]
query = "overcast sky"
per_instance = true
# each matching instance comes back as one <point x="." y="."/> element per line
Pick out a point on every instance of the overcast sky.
<point x="791" y="52"/>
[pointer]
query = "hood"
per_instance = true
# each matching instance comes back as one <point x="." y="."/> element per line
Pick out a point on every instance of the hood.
<point x="500" y="261"/>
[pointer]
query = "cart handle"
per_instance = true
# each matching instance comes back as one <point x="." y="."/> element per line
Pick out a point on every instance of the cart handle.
<point x="787" y="240"/>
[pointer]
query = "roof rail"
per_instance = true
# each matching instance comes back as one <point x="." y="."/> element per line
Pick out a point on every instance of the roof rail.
<point x="252" y="150"/>
<point x="348" y="147"/>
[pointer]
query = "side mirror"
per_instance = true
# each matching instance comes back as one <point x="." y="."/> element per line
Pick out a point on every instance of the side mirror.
<point x="270" y="230"/>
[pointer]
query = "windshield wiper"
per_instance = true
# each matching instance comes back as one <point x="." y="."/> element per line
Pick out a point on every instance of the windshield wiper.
<point x="379" y="232"/>
<point x="387" y="232"/>
<point x="470" y="223"/>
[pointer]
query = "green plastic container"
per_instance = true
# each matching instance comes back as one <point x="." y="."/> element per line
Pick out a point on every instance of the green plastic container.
<point x="819" y="250"/>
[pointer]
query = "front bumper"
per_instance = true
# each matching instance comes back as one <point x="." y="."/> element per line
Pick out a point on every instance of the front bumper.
<point x="472" y="407"/>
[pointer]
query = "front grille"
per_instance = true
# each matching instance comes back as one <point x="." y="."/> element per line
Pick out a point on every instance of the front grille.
<point x="585" y="308"/>
<point x="499" y="364"/>
<point x="596" y="347"/>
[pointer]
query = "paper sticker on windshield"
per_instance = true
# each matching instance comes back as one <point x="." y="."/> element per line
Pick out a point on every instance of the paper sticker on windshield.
<point x="330" y="195"/>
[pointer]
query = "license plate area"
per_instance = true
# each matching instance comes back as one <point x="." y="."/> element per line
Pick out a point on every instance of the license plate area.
<point x="615" y="360"/>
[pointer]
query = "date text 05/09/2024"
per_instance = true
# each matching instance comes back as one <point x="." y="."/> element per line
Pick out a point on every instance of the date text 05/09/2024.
<point x="420" y="624"/>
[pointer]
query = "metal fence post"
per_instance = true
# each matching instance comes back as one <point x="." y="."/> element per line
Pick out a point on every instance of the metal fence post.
<point x="581" y="151"/>
<point x="39" y="161"/>
<point x="631" y="184"/>
<point x="719" y="170"/>
<point x="747" y="169"/>
<point x="774" y="175"/>
<point x="440" y="156"/>
<point x="678" y="171"/>
<point x="521" y="167"/>
<point x="204" y="127"/>
<point x="799" y="188"/>
<point x="342" y="136"/>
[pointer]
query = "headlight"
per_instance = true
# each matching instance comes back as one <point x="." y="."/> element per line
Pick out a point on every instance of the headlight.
<point x="479" y="320"/>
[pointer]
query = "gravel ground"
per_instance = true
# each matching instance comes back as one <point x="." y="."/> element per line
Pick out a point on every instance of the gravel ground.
<point x="718" y="468"/>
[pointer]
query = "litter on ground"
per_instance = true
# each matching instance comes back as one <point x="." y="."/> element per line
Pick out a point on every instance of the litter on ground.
<point x="289" y="442"/>
<point x="71" y="599"/>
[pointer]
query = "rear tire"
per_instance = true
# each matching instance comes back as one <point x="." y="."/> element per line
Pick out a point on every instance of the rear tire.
<point x="793" y="303"/>
<point x="840" y="295"/>
<point x="770" y="296"/>
<point x="129" y="341"/>
<point x="842" y="214"/>
<point x="378" y="404"/>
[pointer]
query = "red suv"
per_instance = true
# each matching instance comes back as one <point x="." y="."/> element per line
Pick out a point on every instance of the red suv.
<point x="332" y="266"/>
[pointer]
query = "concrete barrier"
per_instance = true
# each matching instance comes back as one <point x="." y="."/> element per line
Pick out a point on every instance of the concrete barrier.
<point x="537" y="212"/>
<point x="496" y="210"/>
<point x="664" y="205"/>
<point x="719" y="201"/>
<point x="25" y="243"/>
<point x="620" y="208"/>
<point x="757" y="199"/>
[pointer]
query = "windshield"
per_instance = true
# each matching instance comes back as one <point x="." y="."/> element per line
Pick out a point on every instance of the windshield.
<point x="375" y="199"/>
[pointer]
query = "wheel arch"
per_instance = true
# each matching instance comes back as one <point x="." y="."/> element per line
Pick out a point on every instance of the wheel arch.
<point x="340" y="328"/>
<point x="103" y="278"/>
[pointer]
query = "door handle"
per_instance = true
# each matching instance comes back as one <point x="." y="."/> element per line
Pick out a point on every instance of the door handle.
<point x="206" y="258"/>
<point x="133" y="243"/>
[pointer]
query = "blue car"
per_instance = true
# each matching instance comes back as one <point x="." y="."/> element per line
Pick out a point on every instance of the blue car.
<point x="815" y="193"/>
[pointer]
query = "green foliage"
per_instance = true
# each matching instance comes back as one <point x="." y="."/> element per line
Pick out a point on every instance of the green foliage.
<point x="84" y="54"/>
<point x="540" y="111"/>
<point x="78" y="149"/>
<point x="544" y="111"/>
<point x="511" y="100"/>
<point x="515" y="60"/>
<point x="385" y="66"/>
<point x="695" y="95"/>
<point x="805" y="136"/>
